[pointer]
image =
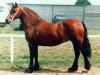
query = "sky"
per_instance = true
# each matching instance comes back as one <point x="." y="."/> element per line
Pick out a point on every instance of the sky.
<point x="95" y="2"/>
<point x="66" y="2"/>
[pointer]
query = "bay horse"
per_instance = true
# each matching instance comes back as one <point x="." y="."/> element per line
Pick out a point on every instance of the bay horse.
<point x="41" y="33"/>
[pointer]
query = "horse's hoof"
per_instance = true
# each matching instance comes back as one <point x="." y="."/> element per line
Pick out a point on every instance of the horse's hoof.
<point x="36" y="68"/>
<point x="87" y="67"/>
<point x="72" y="69"/>
<point x="29" y="70"/>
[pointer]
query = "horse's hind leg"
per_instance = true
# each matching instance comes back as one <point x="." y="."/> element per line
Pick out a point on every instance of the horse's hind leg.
<point x="86" y="49"/>
<point x="87" y="64"/>
<point x="77" y="53"/>
<point x="86" y="53"/>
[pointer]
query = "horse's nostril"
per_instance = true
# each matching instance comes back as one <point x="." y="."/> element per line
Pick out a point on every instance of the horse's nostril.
<point x="6" y="20"/>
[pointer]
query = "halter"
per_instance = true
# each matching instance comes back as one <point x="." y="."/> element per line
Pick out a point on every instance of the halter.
<point x="12" y="17"/>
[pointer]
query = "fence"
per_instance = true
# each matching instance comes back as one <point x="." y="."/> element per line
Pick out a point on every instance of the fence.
<point x="12" y="36"/>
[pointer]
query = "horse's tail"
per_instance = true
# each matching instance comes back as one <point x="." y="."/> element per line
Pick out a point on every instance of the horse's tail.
<point x="86" y="44"/>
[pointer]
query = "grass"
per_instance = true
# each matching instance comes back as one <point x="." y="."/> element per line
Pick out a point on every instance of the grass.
<point x="60" y="56"/>
<point x="10" y="30"/>
<point x="94" y="31"/>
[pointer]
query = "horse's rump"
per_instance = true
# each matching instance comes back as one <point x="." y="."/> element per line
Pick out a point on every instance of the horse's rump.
<point x="74" y="29"/>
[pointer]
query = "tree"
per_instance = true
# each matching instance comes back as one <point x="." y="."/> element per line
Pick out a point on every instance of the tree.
<point x="83" y="2"/>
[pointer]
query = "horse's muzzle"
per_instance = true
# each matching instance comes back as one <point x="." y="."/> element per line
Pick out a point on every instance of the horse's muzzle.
<point x="7" y="21"/>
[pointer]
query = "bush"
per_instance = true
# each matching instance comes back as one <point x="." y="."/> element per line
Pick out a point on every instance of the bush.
<point x="83" y="2"/>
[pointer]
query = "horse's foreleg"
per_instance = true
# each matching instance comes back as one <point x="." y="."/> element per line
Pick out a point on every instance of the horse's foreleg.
<point x="36" y="65"/>
<point x="33" y="52"/>
<point x="75" y="64"/>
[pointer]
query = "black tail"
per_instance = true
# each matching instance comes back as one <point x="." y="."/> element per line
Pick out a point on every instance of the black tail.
<point x="86" y="44"/>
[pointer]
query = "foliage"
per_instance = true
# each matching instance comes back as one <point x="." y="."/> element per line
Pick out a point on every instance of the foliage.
<point x="83" y="2"/>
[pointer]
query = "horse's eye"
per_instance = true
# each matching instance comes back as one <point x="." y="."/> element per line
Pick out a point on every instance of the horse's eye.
<point x="14" y="11"/>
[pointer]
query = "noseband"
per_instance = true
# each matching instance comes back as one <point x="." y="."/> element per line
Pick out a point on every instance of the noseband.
<point x="12" y="17"/>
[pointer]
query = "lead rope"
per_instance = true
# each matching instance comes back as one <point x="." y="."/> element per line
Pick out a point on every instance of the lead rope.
<point x="6" y="28"/>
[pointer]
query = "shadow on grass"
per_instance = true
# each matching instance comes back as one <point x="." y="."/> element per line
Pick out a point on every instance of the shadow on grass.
<point x="42" y="70"/>
<point x="18" y="29"/>
<point x="13" y="69"/>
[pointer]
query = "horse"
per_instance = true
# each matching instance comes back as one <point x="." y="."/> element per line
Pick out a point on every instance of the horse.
<point x="39" y="32"/>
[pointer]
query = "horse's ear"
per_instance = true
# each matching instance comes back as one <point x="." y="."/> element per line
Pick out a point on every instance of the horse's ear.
<point x="16" y="4"/>
<point x="13" y="4"/>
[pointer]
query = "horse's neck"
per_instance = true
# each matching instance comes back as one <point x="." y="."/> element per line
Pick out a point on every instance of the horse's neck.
<point x="29" y="19"/>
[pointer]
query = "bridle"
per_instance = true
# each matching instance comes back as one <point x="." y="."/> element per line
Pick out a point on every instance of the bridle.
<point x="12" y="17"/>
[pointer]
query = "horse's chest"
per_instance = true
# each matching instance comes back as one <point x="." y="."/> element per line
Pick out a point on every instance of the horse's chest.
<point x="30" y="33"/>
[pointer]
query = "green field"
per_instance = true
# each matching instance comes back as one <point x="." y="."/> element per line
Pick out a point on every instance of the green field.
<point x="60" y="56"/>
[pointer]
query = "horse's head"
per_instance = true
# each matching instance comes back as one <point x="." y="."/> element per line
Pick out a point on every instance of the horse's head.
<point x="15" y="13"/>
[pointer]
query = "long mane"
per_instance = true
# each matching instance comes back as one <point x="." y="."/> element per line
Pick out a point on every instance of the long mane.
<point x="32" y="12"/>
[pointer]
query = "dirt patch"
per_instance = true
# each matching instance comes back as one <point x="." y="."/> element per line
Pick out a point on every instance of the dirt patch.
<point x="93" y="71"/>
